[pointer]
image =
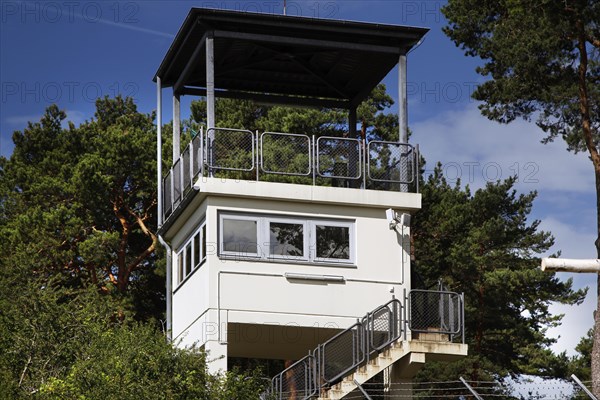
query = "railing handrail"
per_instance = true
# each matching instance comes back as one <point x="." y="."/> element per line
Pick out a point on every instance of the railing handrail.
<point x="261" y="148"/>
<point x="364" y="331"/>
<point x="359" y="162"/>
<point x="400" y="181"/>
<point x="459" y="324"/>
<point x="200" y="156"/>
<point x="209" y="160"/>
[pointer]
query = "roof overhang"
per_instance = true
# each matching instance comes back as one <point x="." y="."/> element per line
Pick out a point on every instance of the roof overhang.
<point x="284" y="59"/>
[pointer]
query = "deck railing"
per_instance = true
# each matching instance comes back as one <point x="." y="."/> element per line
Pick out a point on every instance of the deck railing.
<point x="339" y="356"/>
<point x="291" y="158"/>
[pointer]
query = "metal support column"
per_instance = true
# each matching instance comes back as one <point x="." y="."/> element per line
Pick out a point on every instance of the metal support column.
<point x="160" y="198"/>
<point x="210" y="97"/>
<point x="159" y="150"/>
<point x="176" y="128"/>
<point x="352" y="122"/>
<point x="354" y="159"/>
<point x="403" y="118"/>
<point x="402" y="100"/>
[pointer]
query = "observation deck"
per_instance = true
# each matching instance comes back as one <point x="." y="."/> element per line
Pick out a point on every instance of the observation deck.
<point x="290" y="158"/>
<point x="292" y="61"/>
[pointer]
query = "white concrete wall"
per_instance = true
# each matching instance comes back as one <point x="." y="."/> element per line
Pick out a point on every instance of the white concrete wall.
<point x="256" y="291"/>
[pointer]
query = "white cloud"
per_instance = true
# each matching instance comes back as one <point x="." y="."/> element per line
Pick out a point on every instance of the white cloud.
<point x="477" y="150"/>
<point x="572" y="240"/>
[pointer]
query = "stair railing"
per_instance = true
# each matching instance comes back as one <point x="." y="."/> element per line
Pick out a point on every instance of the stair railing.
<point x="341" y="354"/>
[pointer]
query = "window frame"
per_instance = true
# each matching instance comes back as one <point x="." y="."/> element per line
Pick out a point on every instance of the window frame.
<point x="183" y="271"/>
<point x="240" y="217"/>
<point x="292" y="221"/>
<point x="336" y="224"/>
<point x="309" y="224"/>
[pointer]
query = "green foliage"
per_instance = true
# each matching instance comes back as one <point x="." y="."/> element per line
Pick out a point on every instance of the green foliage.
<point x="131" y="362"/>
<point x="80" y="202"/>
<point x="291" y="155"/>
<point x="81" y="268"/>
<point x="542" y="61"/>
<point x="244" y="114"/>
<point x="534" y="53"/>
<point x="482" y="244"/>
<point x="580" y="364"/>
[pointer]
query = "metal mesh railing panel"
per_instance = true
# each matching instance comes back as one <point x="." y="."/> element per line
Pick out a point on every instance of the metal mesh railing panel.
<point x="197" y="156"/>
<point x="391" y="162"/>
<point x="342" y="353"/>
<point x="285" y="154"/>
<point x="167" y="200"/>
<point x="185" y="157"/>
<point x="177" y="190"/>
<point x="435" y="312"/>
<point x="297" y="381"/>
<point x="230" y="149"/>
<point x="338" y="158"/>
<point x="384" y="325"/>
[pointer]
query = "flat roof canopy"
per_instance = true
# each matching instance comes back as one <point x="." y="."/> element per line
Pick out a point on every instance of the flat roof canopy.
<point x="284" y="59"/>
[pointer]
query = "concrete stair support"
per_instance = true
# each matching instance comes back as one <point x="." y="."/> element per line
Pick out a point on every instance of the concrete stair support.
<point x="410" y="355"/>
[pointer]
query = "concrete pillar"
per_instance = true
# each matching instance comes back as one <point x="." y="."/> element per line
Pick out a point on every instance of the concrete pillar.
<point x="399" y="379"/>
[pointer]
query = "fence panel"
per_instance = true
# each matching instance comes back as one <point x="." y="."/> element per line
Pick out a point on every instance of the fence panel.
<point x="383" y="325"/>
<point x="391" y="162"/>
<point x="285" y="154"/>
<point x="187" y="179"/>
<point x="177" y="190"/>
<point x="167" y="200"/>
<point x="339" y="157"/>
<point x="342" y="353"/>
<point x="230" y="149"/>
<point x="197" y="156"/>
<point x="296" y="382"/>
<point x="435" y="312"/>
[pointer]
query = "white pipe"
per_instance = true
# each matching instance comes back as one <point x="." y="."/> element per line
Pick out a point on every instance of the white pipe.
<point x="160" y="204"/>
<point x="159" y="149"/>
<point x="169" y="286"/>
<point x="570" y="265"/>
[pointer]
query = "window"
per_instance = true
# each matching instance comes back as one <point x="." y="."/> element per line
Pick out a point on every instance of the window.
<point x="239" y="236"/>
<point x="332" y="242"/>
<point x="192" y="254"/>
<point x="286" y="238"/>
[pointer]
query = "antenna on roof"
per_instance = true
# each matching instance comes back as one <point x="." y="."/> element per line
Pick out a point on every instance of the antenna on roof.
<point x="284" y="7"/>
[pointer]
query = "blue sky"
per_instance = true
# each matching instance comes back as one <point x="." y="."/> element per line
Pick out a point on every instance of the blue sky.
<point x="70" y="52"/>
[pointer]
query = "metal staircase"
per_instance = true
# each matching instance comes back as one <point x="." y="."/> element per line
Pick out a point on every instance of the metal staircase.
<point x="340" y="365"/>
